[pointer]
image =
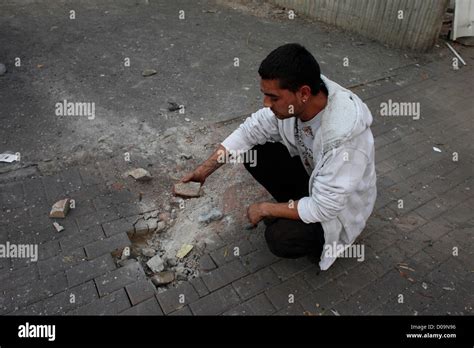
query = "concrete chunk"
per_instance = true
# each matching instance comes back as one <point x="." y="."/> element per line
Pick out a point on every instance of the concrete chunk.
<point x="156" y="264"/>
<point x="60" y="209"/>
<point x="163" y="278"/>
<point x="139" y="174"/>
<point x="187" y="190"/>
<point x="58" y="227"/>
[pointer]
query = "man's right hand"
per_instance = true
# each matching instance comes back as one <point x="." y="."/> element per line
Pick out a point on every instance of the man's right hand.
<point x="208" y="167"/>
<point x="197" y="175"/>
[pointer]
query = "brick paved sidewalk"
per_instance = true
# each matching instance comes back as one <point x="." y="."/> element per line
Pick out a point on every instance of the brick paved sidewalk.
<point x="418" y="242"/>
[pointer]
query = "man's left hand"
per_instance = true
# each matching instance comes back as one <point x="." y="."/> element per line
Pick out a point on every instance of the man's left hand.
<point x="256" y="213"/>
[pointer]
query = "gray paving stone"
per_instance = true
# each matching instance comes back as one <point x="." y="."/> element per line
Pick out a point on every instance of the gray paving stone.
<point x="70" y="299"/>
<point x="81" y="238"/>
<point x="140" y="291"/>
<point x="117" y="227"/>
<point x="255" y="283"/>
<point x="132" y="272"/>
<point x="288" y="292"/>
<point x="354" y="280"/>
<point x="109" y="305"/>
<point x="199" y="286"/>
<point x="185" y="311"/>
<point x="94" y="219"/>
<point x="148" y="307"/>
<point x="294" y="309"/>
<point x="88" y="270"/>
<point x="107" y="245"/>
<point x="176" y="298"/>
<point x="320" y="301"/>
<point x="32" y="292"/>
<point x="289" y="267"/>
<point x="315" y="277"/>
<point x="259" y="259"/>
<point x="361" y="303"/>
<point x="231" y="251"/>
<point x="48" y="250"/>
<point x="224" y="275"/>
<point x="216" y="302"/>
<point x="11" y="279"/>
<point x="258" y="305"/>
<point x="206" y="263"/>
<point x="61" y="262"/>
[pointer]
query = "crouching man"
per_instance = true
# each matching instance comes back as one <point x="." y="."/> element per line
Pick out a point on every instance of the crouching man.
<point x="315" y="156"/>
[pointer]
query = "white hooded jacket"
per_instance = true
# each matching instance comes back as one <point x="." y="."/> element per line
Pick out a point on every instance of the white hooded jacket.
<point x="342" y="185"/>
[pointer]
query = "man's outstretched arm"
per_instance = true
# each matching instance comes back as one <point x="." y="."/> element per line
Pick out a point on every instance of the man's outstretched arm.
<point x="208" y="167"/>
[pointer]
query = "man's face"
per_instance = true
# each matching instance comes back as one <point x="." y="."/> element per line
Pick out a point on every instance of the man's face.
<point x="282" y="102"/>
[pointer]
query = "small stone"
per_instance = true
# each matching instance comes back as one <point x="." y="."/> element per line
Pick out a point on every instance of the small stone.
<point x="148" y="252"/>
<point x="156" y="264"/>
<point x="187" y="119"/>
<point x="184" y="250"/>
<point x="58" y="227"/>
<point x="160" y="226"/>
<point x="139" y="174"/>
<point x="162" y="278"/>
<point x="187" y="190"/>
<point x="185" y="156"/>
<point x="213" y="215"/>
<point x="60" y="209"/>
<point x="3" y="69"/>
<point x="149" y="72"/>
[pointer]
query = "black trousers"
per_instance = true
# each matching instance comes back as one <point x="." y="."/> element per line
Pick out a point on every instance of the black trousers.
<point x="285" y="178"/>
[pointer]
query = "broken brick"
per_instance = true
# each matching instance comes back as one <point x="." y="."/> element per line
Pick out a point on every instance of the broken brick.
<point x="139" y="174"/>
<point x="60" y="209"/>
<point x="188" y="190"/>
<point x="163" y="278"/>
<point x="58" y="227"/>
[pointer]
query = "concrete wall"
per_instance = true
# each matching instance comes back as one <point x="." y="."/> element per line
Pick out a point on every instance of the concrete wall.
<point x="378" y="19"/>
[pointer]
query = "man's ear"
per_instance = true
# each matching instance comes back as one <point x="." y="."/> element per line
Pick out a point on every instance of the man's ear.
<point x="305" y="91"/>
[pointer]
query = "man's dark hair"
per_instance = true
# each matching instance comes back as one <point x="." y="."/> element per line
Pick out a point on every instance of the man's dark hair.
<point x="294" y="66"/>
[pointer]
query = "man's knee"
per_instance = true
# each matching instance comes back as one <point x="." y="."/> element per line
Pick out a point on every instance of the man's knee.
<point x="279" y="243"/>
<point x="292" y="239"/>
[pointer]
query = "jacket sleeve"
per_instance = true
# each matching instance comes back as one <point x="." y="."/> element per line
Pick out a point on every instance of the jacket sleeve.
<point x="260" y="127"/>
<point x="341" y="173"/>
